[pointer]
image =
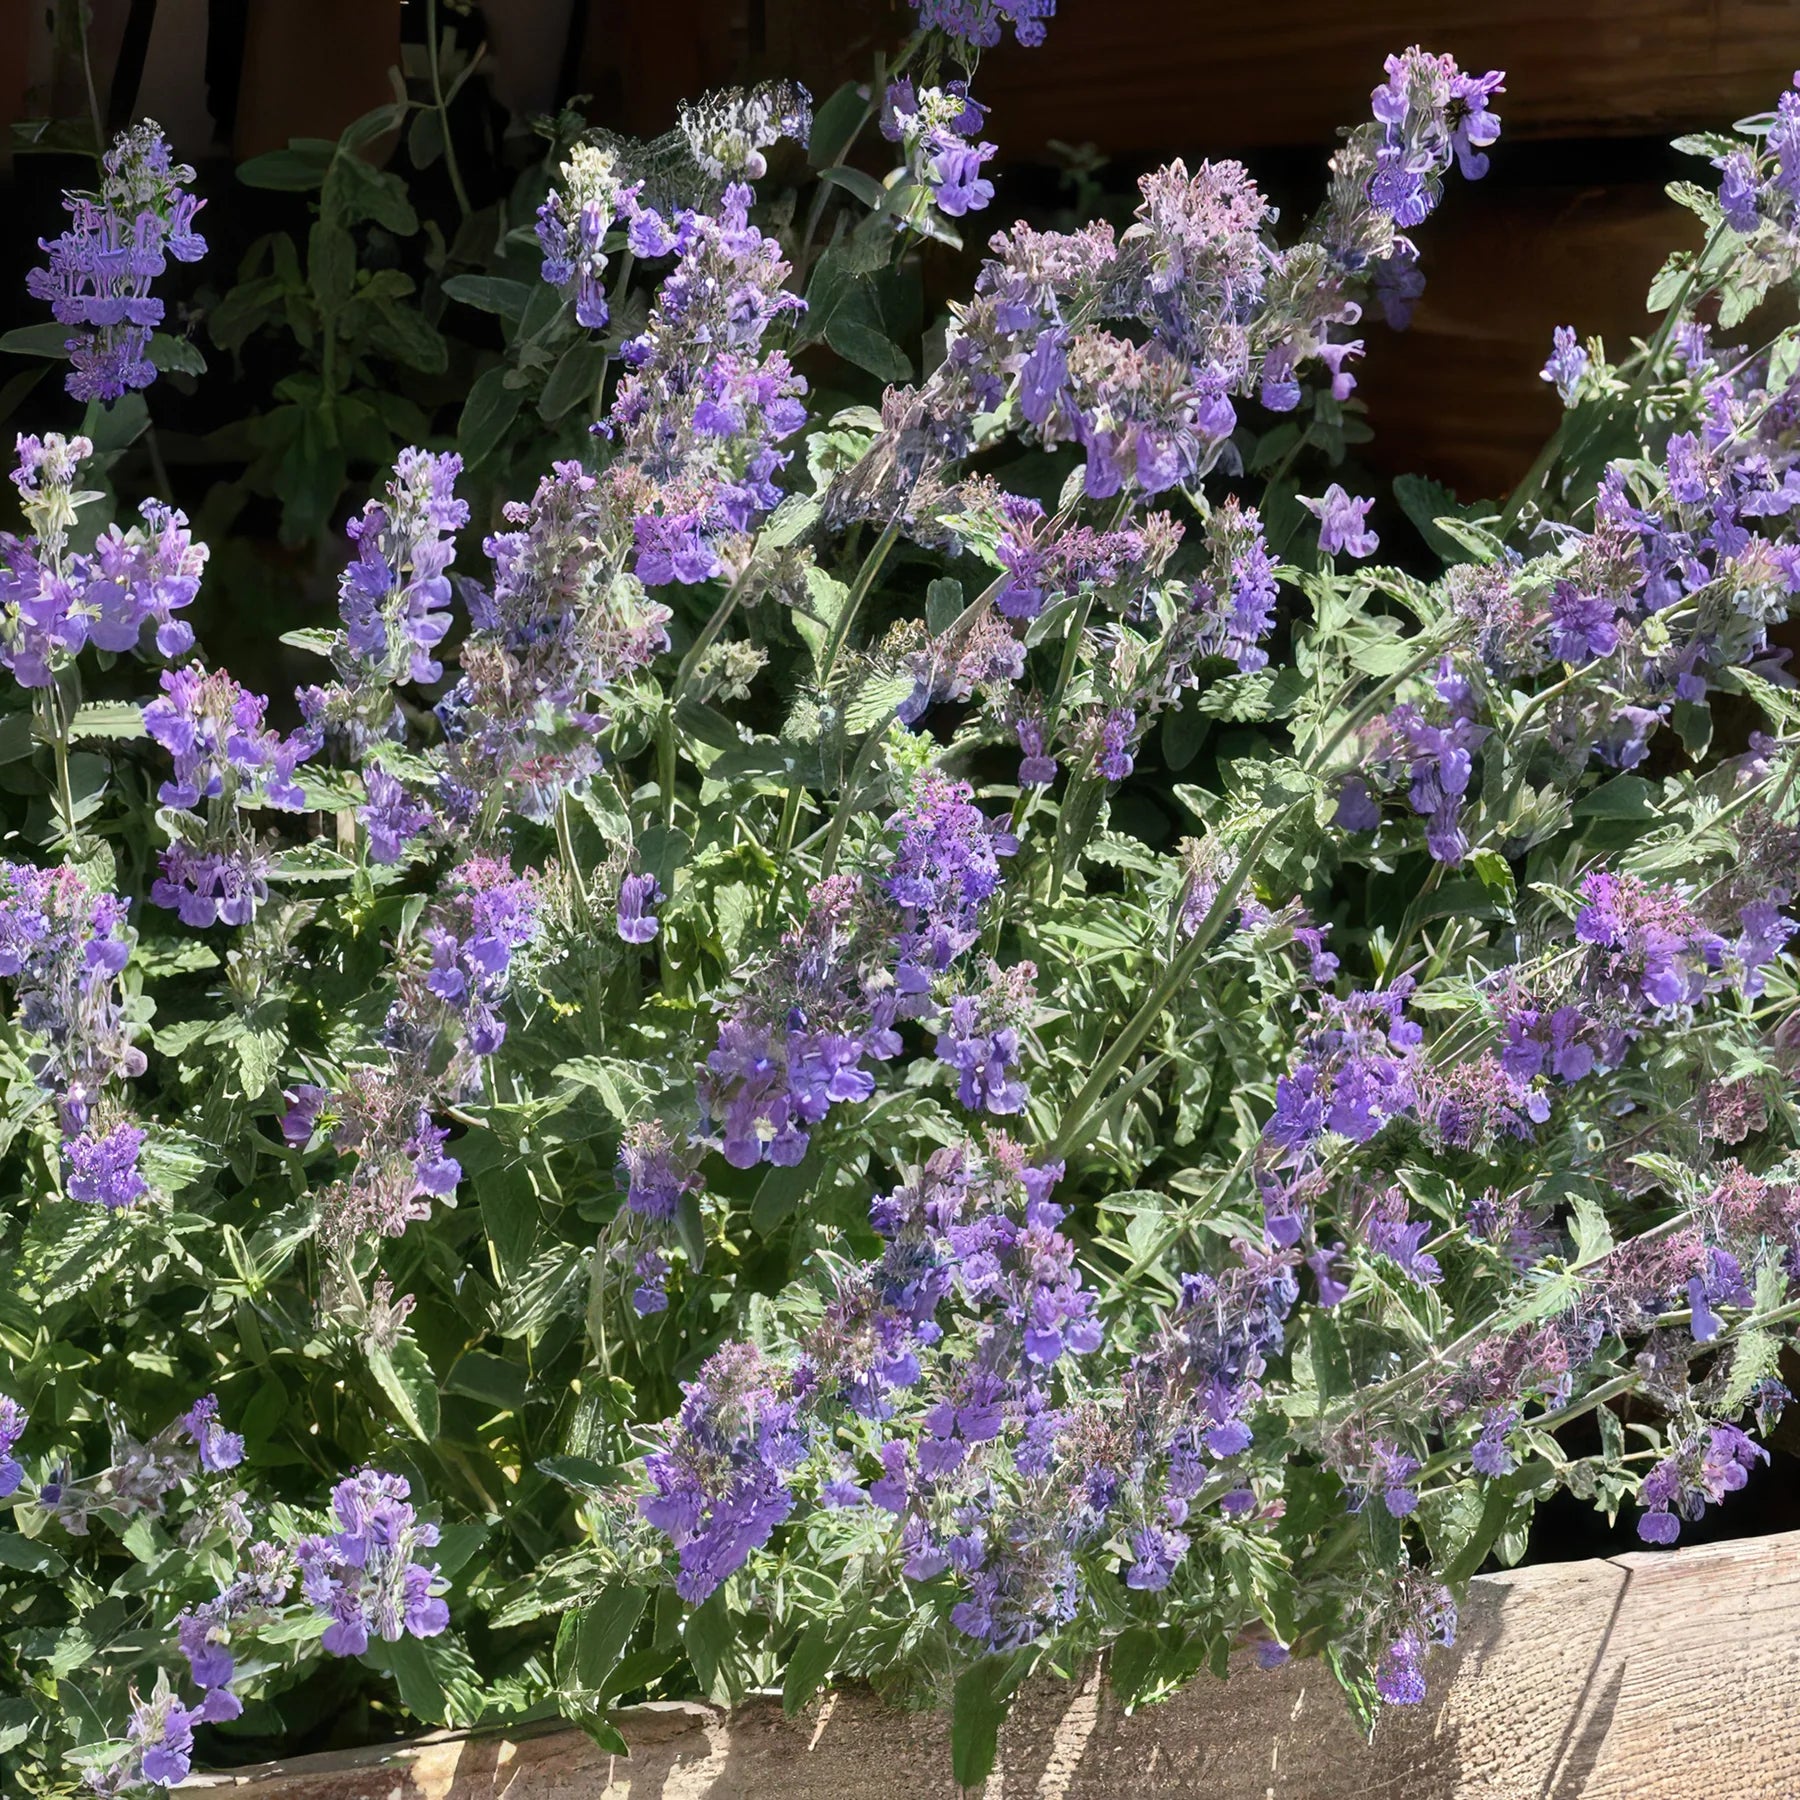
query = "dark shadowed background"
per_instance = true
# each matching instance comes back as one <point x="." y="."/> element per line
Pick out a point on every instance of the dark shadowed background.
<point x="1567" y="228"/>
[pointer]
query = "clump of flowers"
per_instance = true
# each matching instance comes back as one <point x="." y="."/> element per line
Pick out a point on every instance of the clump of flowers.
<point x="100" y="271"/>
<point x="869" y="1038"/>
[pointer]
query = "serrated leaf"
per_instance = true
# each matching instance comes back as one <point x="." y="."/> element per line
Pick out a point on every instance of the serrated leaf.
<point x="404" y="1376"/>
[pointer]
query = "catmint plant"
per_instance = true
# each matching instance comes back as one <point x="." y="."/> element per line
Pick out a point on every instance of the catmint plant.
<point x="926" y="1032"/>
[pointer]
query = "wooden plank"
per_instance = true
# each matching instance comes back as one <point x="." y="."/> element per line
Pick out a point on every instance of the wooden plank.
<point x="1644" y="1677"/>
<point x="1457" y="396"/>
<point x="1147" y="77"/>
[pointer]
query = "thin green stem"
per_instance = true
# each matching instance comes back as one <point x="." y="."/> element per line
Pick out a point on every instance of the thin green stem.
<point x="443" y="111"/>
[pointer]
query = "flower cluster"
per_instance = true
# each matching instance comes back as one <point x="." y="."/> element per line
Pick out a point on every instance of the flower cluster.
<point x="561" y="625"/>
<point x="54" y="601"/>
<point x="100" y="270"/>
<point x="702" y="409"/>
<point x="393" y="599"/>
<point x="225" y="760"/>
<point x="63" y="948"/>
<point x="978" y="23"/>
<point x="361" y="1575"/>
<point x="935" y="128"/>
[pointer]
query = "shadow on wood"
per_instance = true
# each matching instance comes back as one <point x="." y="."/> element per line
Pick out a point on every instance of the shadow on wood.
<point x="1642" y="1677"/>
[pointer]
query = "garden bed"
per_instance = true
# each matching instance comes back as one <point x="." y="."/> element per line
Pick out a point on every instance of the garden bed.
<point x="1628" y="1678"/>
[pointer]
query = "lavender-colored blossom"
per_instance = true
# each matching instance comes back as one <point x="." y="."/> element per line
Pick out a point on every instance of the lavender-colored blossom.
<point x="945" y="867"/>
<point x="1341" y="523"/>
<point x="639" y="896"/>
<point x="719" y="1484"/>
<point x="361" y="1574"/>
<point x="561" y="625"/>
<point x="1567" y="365"/>
<point x="572" y="225"/>
<point x="214" y="733"/>
<point x="64" y="947"/>
<point x="218" y="1448"/>
<point x="13" y="1420"/>
<point x="392" y="817"/>
<point x="978" y="23"/>
<point x="100" y="270"/>
<point x="978" y="1036"/>
<point x="103" y="1167"/>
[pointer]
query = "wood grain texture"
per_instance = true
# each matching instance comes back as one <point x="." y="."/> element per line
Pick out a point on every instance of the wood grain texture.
<point x="1457" y="396"/>
<point x="1148" y="76"/>
<point x="1646" y="1677"/>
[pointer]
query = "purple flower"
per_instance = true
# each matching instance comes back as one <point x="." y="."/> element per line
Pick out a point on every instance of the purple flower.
<point x="219" y="1449"/>
<point x="13" y="1420"/>
<point x="945" y="866"/>
<point x="1490" y="1454"/>
<point x="1156" y="1550"/>
<point x="1112" y="757"/>
<point x="214" y="733"/>
<point x="361" y="1575"/>
<point x="1568" y="363"/>
<point x="718" y="1486"/>
<point x="572" y="225"/>
<point x="161" y="1738"/>
<point x="103" y="1167"/>
<point x="638" y="896"/>
<point x="978" y="23"/>
<point x="1341" y="525"/>
<point x="64" y="947"/>
<point x="392" y="817"/>
<point x="978" y="1036"/>
<point x="118" y="242"/>
<point x="1582" y="625"/>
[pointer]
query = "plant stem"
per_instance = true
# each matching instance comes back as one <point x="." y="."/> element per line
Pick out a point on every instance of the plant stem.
<point x="443" y="112"/>
<point x="859" y="592"/>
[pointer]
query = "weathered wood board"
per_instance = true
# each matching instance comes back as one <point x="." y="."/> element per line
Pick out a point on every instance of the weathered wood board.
<point x="1644" y="1677"/>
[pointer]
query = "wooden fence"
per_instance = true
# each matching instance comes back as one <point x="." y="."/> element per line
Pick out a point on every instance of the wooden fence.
<point x="1653" y="1676"/>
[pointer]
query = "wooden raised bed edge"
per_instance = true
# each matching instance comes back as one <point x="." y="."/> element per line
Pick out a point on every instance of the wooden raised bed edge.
<point x="1637" y="1677"/>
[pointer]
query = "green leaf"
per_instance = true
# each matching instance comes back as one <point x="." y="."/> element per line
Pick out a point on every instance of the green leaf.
<point x="575" y="378"/>
<point x="491" y="294"/>
<point x="1588" y="1226"/>
<point x="355" y="191"/>
<point x="983" y="1698"/>
<point x="330" y="262"/>
<point x="38" y="340"/>
<point x="490" y="408"/>
<point x="1132" y="1661"/>
<point x="854" y="181"/>
<point x="296" y="170"/>
<point x="810" y="1663"/>
<point x="943" y="605"/>
<point x="601" y="1632"/>
<point x="19" y="1552"/>
<point x="868" y="348"/>
<point x="437" y="1678"/>
<point x="835" y="124"/>
<point x="1427" y="503"/>
<point x="176" y="355"/>
<point x="490" y="1379"/>
<point x="781" y="1190"/>
<point x="107" y="719"/>
<point x="707" y="1634"/>
<point x="1624" y="797"/>
<point x="405" y="1377"/>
